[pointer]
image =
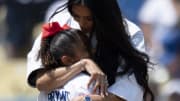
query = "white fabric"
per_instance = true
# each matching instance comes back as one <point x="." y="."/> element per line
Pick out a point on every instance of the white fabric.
<point x="127" y="88"/>
<point x="73" y="88"/>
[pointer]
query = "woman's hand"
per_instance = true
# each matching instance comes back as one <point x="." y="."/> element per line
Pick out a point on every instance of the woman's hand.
<point x="98" y="78"/>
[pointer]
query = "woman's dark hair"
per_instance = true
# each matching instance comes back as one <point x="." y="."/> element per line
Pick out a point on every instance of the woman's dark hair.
<point x="87" y="3"/>
<point x="62" y="43"/>
<point x="114" y="45"/>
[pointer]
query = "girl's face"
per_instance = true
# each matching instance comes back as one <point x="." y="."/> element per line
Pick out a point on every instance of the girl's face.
<point x="84" y="17"/>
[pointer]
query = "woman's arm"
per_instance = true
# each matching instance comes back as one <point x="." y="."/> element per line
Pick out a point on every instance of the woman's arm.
<point x="49" y="80"/>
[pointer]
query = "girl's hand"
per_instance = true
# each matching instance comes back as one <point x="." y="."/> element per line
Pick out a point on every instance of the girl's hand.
<point x="98" y="78"/>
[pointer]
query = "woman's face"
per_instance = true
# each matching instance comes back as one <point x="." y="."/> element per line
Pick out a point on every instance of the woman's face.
<point x="84" y="17"/>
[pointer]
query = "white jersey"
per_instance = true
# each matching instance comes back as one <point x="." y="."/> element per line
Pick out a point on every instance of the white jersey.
<point x="73" y="88"/>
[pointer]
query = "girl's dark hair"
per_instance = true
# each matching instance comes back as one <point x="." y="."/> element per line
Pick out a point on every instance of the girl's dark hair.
<point x="62" y="43"/>
<point x="114" y="45"/>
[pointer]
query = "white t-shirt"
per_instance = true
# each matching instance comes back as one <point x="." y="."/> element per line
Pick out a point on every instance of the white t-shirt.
<point x="73" y="88"/>
<point x="65" y="18"/>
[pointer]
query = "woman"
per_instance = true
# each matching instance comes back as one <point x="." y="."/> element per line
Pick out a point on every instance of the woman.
<point x="102" y="22"/>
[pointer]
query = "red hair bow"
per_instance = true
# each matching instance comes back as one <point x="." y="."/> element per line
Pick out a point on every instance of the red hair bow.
<point x="50" y="29"/>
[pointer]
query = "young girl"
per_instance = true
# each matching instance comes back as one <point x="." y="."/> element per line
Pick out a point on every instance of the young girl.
<point x="62" y="46"/>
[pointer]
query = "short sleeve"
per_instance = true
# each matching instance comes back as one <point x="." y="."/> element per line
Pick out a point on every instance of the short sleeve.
<point x="126" y="87"/>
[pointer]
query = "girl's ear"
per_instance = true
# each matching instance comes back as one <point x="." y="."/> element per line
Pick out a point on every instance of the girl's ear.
<point x="66" y="60"/>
